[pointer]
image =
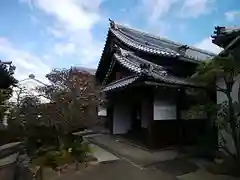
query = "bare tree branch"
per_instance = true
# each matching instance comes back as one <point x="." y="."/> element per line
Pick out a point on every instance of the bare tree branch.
<point x="221" y="89"/>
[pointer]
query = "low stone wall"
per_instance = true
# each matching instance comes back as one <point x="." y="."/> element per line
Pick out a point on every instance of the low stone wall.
<point x="8" y="160"/>
<point x="8" y="167"/>
<point x="10" y="148"/>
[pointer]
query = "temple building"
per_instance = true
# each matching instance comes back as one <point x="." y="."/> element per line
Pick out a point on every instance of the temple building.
<point x="145" y="79"/>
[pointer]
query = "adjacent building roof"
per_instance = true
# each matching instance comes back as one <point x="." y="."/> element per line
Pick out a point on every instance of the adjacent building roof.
<point x="224" y="35"/>
<point x="88" y="70"/>
<point x="226" y="30"/>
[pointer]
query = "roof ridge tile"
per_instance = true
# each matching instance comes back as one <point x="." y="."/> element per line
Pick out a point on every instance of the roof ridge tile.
<point x="119" y="26"/>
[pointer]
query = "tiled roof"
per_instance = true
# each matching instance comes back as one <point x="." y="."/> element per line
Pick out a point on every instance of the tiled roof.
<point x="228" y="30"/>
<point x="120" y="83"/>
<point x="223" y="36"/>
<point x="135" y="67"/>
<point x="144" y="47"/>
<point x="156" y="45"/>
<point x="135" y="41"/>
<point x="133" y="62"/>
<point x="154" y="71"/>
<point x="172" y="79"/>
<point x="137" y="60"/>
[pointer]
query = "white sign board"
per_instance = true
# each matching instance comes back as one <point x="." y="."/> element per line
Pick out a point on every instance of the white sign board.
<point x="102" y="112"/>
<point x="164" y="110"/>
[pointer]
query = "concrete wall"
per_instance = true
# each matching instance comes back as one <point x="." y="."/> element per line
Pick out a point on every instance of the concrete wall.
<point x="221" y="97"/>
<point x="121" y="118"/>
<point x="164" y="106"/>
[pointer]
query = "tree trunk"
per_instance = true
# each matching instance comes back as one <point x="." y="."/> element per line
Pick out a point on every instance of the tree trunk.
<point x="233" y="123"/>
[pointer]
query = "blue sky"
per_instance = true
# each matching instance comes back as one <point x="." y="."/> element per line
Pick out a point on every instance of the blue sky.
<point x="38" y="35"/>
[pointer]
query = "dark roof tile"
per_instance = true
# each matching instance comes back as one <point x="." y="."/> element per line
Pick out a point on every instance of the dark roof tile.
<point x="157" y="72"/>
<point x="131" y="42"/>
<point x="120" y="83"/>
<point x="157" y="45"/>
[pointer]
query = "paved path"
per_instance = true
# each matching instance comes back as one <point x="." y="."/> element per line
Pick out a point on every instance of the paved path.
<point x="204" y="175"/>
<point x="111" y="167"/>
<point x="136" y="155"/>
<point x="113" y="170"/>
<point x="165" y="164"/>
<point x="101" y="154"/>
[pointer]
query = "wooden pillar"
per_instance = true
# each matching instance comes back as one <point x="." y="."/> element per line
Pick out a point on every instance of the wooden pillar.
<point x="180" y="99"/>
<point x="150" y="138"/>
<point x="110" y="109"/>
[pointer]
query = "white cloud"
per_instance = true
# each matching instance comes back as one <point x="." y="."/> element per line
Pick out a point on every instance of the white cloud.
<point x="72" y="26"/>
<point x="195" y="8"/>
<point x="55" y="32"/>
<point x="156" y="9"/>
<point x="4" y="41"/>
<point x="155" y="12"/>
<point x="25" y="62"/>
<point x="64" y="48"/>
<point x="74" y="14"/>
<point x="207" y="45"/>
<point x="232" y="15"/>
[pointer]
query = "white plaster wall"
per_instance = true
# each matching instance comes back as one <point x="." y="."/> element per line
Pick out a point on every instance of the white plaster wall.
<point x="164" y="107"/>
<point x="121" y="118"/>
<point x="146" y="114"/>
<point x="235" y="90"/>
<point x="221" y="97"/>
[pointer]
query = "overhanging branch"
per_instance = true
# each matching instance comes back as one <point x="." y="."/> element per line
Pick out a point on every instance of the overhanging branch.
<point x="221" y="89"/>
